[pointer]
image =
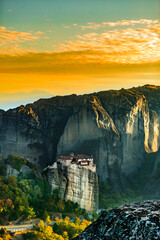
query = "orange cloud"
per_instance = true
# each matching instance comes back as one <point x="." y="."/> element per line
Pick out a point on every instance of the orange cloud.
<point x="124" y="46"/>
<point x="11" y="39"/>
<point x="129" y="45"/>
<point x="15" y="36"/>
<point x="72" y="72"/>
<point x="91" y="26"/>
<point x="131" y="22"/>
<point x="75" y="62"/>
<point x="95" y="26"/>
<point x="65" y="26"/>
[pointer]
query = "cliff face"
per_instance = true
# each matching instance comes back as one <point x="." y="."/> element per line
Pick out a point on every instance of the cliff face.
<point x="131" y="221"/>
<point x="75" y="183"/>
<point x="117" y="127"/>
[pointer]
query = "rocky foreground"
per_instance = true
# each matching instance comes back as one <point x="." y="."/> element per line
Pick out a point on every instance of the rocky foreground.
<point x="130" y="221"/>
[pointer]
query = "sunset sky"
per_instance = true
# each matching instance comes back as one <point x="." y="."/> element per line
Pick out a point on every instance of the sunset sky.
<point x="59" y="47"/>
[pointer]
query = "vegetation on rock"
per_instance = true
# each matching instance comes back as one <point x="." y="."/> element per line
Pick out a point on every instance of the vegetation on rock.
<point x="29" y="196"/>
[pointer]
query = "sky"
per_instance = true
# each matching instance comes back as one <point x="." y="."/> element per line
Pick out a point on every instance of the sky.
<point x="60" y="47"/>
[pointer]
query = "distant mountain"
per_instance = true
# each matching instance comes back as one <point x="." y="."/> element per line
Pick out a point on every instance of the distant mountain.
<point x="12" y="100"/>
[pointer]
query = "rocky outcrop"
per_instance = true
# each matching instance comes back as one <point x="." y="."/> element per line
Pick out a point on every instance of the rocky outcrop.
<point x="75" y="183"/>
<point x="131" y="221"/>
<point x="10" y="171"/>
<point x="116" y="127"/>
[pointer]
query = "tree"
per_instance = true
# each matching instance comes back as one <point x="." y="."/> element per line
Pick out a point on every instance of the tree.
<point x="60" y="205"/>
<point x="30" y="213"/>
<point x="41" y="226"/>
<point x="65" y="235"/>
<point x="94" y="216"/>
<point x="4" y="235"/>
<point x="77" y="221"/>
<point x="2" y="169"/>
<point x="48" y="220"/>
<point x="12" y="181"/>
<point x="15" y="161"/>
<point x="72" y="229"/>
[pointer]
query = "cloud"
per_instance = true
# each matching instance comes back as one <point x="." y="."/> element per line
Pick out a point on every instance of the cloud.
<point x="15" y="36"/>
<point x="130" y="45"/>
<point x="131" y="22"/>
<point x="126" y="45"/>
<point x="39" y="33"/>
<point x="73" y="62"/>
<point x="11" y="39"/>
<point x="91" y="26"/>
<point x="96" y="26"/>
<point x="65" y="26"/>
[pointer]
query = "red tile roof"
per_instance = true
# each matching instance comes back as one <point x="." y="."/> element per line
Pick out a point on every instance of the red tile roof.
<point x="79" y="156"/>
<point x="65" y="157"/>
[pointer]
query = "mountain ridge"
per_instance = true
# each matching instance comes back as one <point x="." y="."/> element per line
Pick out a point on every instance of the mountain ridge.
<point x="49" y="127"/>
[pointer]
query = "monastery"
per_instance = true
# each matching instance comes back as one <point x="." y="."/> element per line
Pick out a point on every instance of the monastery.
<point x="80" y="160"/>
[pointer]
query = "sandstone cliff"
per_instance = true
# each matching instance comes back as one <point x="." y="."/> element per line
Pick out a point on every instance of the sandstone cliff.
<point x="117" y="127"/>
<point x="75" y="183"/>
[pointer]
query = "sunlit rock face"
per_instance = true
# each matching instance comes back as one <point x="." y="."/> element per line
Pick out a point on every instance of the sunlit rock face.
<point x="75" y="183"/>
<point x="116" y="127"/>
<point x="131" y="221"/>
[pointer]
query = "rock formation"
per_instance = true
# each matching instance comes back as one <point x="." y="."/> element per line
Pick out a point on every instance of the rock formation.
<point x="10" y="171"/>
<point x="75" y="183"/>
<point x="117" y="127"/>
<point x="131" y="221"/>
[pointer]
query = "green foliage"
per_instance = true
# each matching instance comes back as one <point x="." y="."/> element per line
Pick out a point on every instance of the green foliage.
<point x="70" y="229"/>
<point x="29" y="213"/>
<point x="110" y="198"/>
<point x="12" y="181"/>
<point x="95" y="216"/>
<point x="2" y="169"/>
<point x="62" y="230"/>
<point x="74" y="207"/>
<point x="13" y="201"/>
<point x="48" y="220"/>
<point x="15" y="161"/>
<point x="29" y="196"/>
<point x="43" y="231"/>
